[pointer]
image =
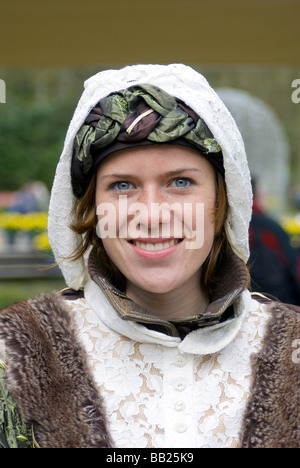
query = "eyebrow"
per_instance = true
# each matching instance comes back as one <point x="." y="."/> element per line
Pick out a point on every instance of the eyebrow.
<point x="166" y="174"/>
<point x="182" y="170"/>
<point x="115" y="176"/>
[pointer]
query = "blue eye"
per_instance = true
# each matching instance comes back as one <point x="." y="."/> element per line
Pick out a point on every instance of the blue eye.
<point x="181" y="182"/>
<point x="122" y="186"/>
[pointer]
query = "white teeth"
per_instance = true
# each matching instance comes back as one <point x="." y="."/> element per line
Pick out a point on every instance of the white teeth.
<point x="156" y="246"/>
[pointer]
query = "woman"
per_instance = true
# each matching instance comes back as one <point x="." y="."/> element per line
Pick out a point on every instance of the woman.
<point x="159" y="343"/>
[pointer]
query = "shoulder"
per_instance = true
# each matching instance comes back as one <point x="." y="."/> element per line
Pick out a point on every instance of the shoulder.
<point x="30" y="326"/>
<point x="283" y="326"/>
<point x="280" y="312"/>
<point x="283" y="334"/>
<point x="26" y="315"/>
<point x="272" y="415"/>
<point x="47" y="305"/>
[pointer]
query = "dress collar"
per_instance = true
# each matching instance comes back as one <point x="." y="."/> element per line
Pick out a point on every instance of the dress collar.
<point x="230" y="282"/>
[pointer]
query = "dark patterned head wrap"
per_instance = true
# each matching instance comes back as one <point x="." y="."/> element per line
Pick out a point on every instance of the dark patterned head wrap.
<point x="138" y="116"/>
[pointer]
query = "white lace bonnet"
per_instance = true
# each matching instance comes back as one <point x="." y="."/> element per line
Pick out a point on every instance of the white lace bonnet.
<point x="188" y="85"/>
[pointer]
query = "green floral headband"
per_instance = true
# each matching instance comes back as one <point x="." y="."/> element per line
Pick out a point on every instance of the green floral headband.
<point x="138" y="116"/>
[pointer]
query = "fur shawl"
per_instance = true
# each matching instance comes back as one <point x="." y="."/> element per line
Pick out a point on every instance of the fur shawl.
<point x="49" y="379"/>
<point x="47" y="374"/>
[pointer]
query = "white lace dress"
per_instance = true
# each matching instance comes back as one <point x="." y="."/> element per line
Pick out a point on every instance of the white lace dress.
<point x="160" y="392"/>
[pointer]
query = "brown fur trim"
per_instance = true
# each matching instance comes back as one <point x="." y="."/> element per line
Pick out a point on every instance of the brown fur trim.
<point x="272" y="418"/>
<point x="48" y="375"/>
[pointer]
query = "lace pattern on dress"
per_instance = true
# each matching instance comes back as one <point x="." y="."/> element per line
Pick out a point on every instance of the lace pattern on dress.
<point x="157" y="397"/>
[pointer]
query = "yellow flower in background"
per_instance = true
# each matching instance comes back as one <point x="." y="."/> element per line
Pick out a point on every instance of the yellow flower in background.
<point x="24" y="222"/>
<point x="291" y="224"/>
<point x="41" y="242"/>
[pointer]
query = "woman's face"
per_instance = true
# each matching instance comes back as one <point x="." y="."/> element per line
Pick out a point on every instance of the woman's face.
<point x="155" y="208"/>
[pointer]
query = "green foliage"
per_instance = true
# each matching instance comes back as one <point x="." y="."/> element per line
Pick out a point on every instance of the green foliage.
<point x="12" y="291"/>
<point x="31" y="138"/>
<point x="14" y="433"/>
<point x="33" y="122"/>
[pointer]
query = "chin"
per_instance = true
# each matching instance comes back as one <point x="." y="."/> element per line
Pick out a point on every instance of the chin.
<point x="158" y="285"/>
<point x="158" y="289"/>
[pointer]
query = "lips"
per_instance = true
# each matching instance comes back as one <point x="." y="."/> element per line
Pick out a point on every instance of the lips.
<point x="155" y="249"/>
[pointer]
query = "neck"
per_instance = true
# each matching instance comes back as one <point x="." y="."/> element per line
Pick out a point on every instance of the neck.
<point x="181" y="303"/>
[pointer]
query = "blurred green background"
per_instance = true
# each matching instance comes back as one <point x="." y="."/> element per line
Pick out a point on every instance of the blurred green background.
<point x="40" y="104"/>
<point x="19" y="290"/>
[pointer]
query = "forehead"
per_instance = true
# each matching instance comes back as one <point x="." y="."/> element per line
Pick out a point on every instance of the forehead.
<point x="156" y="158"/>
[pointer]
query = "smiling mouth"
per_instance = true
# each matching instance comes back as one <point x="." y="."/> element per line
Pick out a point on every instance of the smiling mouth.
<point x="155" y="245"/>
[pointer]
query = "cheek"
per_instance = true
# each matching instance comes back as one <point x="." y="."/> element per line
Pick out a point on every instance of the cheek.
<point x="210" y="226"/>
<point x="210" y="218"/>
<point x="112" y="218"/>
<point x="113" y="251"/>
<point x="200" y="224"/>
<point x="209" y="236"/>
<point x="108" y="245"/>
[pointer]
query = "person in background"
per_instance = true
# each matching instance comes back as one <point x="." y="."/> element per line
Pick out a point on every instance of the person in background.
<point x="274" y="264"/>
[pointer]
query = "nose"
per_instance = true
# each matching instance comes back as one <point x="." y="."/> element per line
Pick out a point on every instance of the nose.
<point x="150" y="193"/>
<point x="149" y="215"/>
<point x="152" y="215"/>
